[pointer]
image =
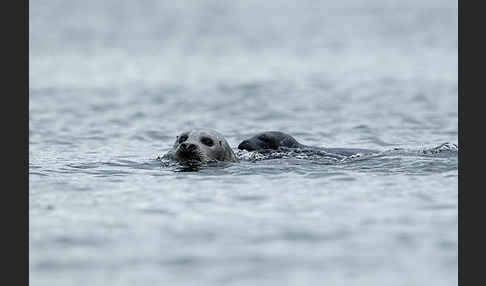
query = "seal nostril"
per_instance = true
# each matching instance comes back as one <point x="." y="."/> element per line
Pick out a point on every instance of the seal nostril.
<point x="191" y="147"/>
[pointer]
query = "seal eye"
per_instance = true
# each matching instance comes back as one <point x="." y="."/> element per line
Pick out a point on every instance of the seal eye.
<point x="182" y="138"/>
<point x="207" y="141"/>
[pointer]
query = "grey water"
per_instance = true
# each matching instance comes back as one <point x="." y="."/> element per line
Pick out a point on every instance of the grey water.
<point x="112" y="83"/>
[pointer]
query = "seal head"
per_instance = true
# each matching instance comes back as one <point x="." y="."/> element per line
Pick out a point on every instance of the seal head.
<point x="201" y="145"/>
<point x="272" y="140"/>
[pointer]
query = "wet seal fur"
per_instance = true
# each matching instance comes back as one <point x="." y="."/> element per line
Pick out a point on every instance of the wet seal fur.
<point x="276" y="140"/>
<point x="201" y="145"/>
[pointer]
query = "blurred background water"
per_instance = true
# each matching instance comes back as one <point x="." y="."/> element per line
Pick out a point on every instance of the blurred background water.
<point x="111" y="83"/>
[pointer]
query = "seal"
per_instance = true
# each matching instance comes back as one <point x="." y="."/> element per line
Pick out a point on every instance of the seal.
<point x="201" y="145"/>
<point x="276" y="140"/>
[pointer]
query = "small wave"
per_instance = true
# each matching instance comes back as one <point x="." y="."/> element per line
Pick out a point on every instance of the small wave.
<point x="442" y="148"/>
<point x="387" y="161"/>
<point x="245" y="155"/>
<point x="289" y="153"/>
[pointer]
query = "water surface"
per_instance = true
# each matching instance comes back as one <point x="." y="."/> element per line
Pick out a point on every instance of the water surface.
<point x="112" y="83"/>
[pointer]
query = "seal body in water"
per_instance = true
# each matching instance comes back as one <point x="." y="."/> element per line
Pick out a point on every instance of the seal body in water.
<point x="201" y="145"/>
<point x="276" y="140"/>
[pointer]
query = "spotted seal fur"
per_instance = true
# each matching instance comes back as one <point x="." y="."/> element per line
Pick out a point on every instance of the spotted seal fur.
<point x="276" y="140"/>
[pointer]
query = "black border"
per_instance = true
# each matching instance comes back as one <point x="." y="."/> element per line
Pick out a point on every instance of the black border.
<point x="461" y="112"/>
<point x="15" y="121"/>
